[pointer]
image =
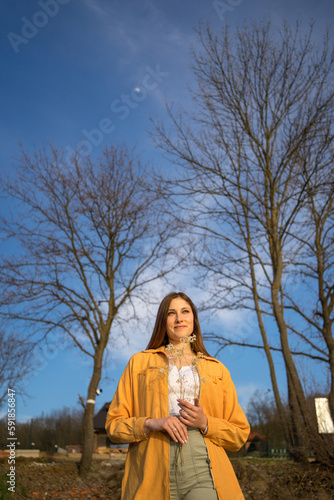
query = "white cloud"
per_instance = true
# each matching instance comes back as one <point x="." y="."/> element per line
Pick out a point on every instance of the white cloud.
<point x="133" y="333"/>
<point x="245" y="392"/>
<point x="123" y="27"/>
<point x="237" y="323"/>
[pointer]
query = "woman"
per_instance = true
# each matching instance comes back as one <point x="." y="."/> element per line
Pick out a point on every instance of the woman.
<point x="178" y="409"/>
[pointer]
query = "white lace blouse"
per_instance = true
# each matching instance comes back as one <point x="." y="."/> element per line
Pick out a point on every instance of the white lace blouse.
<point x="182" y="384"/>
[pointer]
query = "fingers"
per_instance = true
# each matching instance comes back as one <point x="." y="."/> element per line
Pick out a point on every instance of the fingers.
<point x="188" y="415"/>
<point x="191" y="415"/>
<point x="187" y="419"/>
<point x="187" y="408"/>
<point x="185" y="404"/>
<point x="177" y="430"/>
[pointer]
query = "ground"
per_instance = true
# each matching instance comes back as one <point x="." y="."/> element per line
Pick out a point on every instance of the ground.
<point x="260" y="479"/>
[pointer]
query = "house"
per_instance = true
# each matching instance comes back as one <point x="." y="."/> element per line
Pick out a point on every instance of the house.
<point x="255" y="442"/>
<point x="102" y="443"/>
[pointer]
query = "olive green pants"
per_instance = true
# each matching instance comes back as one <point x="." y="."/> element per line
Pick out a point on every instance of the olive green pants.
<point x="190" y="469"/>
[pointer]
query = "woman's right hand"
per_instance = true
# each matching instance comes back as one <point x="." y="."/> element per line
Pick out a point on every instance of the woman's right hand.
<point x="172" y="425"/>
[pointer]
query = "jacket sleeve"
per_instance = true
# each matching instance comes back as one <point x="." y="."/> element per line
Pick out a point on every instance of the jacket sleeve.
<point x="228" y="427"/>
<point x="122" y="425"/>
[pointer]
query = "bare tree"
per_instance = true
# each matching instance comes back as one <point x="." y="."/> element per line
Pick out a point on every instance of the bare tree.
<point x="263" y="100"/>
<point x="264" y="418"/>
<point x="315" y="263"/>
<point x="16" y="354"/>
<point x="91" y="238"/>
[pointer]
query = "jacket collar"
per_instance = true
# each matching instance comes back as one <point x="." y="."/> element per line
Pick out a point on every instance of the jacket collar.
<point x="153" y="351"/>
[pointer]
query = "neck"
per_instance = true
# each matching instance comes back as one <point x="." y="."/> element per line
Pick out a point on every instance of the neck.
<point x="186" y="347"/>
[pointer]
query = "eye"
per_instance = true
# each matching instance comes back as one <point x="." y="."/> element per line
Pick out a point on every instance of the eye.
<point x="170" y="313"/>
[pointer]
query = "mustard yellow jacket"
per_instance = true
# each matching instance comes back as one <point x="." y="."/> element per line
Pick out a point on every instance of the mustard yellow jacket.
<point x="143" y="392"/>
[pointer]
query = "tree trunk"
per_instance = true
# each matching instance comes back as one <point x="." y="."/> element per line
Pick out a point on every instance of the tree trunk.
<point x="299" y="446"/>
<point x="285" y="420"/>
<point x="300" y="412"/>
<point x="331" y="392"/>
<point x="88" y="444"/>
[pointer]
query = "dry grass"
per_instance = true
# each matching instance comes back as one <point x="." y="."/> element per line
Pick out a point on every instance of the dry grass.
<point x="48" y="478"/>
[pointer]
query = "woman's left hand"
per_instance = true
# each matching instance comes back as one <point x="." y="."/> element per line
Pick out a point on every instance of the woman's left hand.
<point x="192" y="415"/>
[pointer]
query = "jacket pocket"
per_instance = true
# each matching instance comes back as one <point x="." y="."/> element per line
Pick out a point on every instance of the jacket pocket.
<point x="153" y="392"/>
<point x="151" y="378"/>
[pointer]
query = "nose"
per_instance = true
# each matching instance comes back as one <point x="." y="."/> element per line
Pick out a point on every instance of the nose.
<point x="177" y="318"/>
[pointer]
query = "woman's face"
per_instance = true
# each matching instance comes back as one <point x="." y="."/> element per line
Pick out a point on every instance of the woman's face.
<point x="180" y="320"/>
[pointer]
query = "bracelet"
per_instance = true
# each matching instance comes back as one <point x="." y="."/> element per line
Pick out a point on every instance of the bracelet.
<point x="205" y="430"/>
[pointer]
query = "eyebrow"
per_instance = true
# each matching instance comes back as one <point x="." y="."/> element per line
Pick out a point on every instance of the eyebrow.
<point x="182" y="309"/>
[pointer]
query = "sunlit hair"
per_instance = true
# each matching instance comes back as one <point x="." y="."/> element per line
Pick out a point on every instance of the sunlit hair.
<point x="159" y="336"/>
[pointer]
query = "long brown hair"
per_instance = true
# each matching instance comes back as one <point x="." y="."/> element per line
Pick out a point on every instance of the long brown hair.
<point x="159" y="336"/>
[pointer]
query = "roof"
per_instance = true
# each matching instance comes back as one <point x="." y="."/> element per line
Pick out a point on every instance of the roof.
<point x="99" y="420"/>
<point x="254" y="436"/>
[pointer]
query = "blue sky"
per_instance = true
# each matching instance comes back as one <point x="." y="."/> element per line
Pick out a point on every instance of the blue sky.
<point x="83" y="73"/>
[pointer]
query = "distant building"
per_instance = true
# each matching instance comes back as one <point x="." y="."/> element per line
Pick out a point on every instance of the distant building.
<point x="102" y="443"/>
<point x="101" y="440"/>
<point x="255" y="442"/>
<point x="74" y="448"/>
